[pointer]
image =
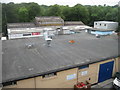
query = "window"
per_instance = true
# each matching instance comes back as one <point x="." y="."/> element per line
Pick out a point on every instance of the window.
<point x="104" y="24"/>
<point x="83" y="67"/>
<point x="100" y="24"/>
<point x="27" y="34"/>
<point x="36" y="33"/>
<point x="9" y="83"/>
<point x="49" y="75"/>
<point x="96" y="23"/>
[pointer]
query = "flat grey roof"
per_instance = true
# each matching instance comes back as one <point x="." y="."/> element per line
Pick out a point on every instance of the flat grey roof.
<point x="73" y="23"/>
<point x="19" y="62"/>
<point x="39" y="29"/>
<point x="105" y="22"/>
<point x="20" y="25"/>
<point x="99" y="29"/>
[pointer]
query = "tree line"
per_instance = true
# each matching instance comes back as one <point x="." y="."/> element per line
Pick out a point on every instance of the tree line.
<point x="25" y="12"/>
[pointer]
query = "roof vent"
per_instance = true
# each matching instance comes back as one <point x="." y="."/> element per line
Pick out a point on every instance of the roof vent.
<point x="59" y="31"/>
<point x="3" y="38"/>
<point x="97" y="36"/>
<point x="48" y="41"/>
<point x="29" y="46"/>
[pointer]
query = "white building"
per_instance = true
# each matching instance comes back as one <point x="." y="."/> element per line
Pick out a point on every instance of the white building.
<point x="14" y="33"/>
<point x="106" y="25"/>
<point x="119" y="3"/>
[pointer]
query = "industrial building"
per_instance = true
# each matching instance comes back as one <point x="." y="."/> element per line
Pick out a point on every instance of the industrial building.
<point x="68" y="23"/>
<point x="15" y="33"/>
<point x="49" y="21"/>
<point x="103" y="28"/>
<point x="20" y="25"/>
<point x="62" y="57"/>
<point x="55" y="25"/>
<point x="106" y="25"/>
<point x="30" y="63"/>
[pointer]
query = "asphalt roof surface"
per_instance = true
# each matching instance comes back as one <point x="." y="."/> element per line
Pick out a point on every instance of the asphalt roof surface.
<point x="20" y="62"/>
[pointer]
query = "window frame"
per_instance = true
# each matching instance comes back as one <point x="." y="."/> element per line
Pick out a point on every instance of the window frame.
<point x="49" y="75"/>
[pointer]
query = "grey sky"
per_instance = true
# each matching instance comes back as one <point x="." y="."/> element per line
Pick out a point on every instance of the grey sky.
<point x="68" y="2"/>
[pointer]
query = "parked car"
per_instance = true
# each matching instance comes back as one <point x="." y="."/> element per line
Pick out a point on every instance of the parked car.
<point x="116" y="82"/>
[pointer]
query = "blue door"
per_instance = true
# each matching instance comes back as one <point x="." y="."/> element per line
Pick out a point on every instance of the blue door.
<point x="105" y="71"/>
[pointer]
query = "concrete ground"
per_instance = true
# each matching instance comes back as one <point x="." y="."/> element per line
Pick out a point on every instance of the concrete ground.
<point x="105" y="84"/>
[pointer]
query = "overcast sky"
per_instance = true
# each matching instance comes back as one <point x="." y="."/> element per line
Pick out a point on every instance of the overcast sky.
<point x="67" y="2"/>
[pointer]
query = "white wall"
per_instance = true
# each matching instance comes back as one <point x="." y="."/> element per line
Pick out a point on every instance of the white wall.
<point x="112" y="26"/>
<point x="106" y="25"/>
<point x="15" y="36"/>
<point x="100" y="25"/>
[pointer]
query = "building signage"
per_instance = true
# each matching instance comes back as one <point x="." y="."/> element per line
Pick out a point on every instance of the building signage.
<point x="27" y="34"/>
<point x="72" y="76"/>
<point x="36" y="33"/>
<point x="16" y="35"/>
<point x="83" y="73"/>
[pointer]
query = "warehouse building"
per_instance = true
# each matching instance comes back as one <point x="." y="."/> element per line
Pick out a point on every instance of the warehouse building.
<point x="49" y="21"/>
<point x="30" y="63"/>
<point x="15" y="33"/>
<point x="19" y="25"/>
<point x="68" y="23"/>
<point x="22" y="30"/>
<point x="55" y="25"/>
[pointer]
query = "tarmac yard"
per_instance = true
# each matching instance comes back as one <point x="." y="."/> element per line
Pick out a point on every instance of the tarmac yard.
<point x="108" y="84"/>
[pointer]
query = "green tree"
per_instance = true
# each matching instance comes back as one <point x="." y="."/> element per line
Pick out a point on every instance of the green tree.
<point x="23" y="14"/>
<point x="4" y="20"/>
<point x="11" y="12"/>
<point x="0" y="17"/>
<point x="80" y="13"/>
<point x="34" y="10"/>
<point x="118" y="30"/>
<point x="44" y="10"/>
<point x="66" y="12"/>
<point x="54" y="10"/>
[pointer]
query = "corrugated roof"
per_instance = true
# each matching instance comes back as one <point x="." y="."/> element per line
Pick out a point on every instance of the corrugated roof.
<point x="20" y="62"/>
<point x="20" y="25"/>
<point x="48" y="19"/>
<point x="73" y="23"/>
<point x="100" y="29"/>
